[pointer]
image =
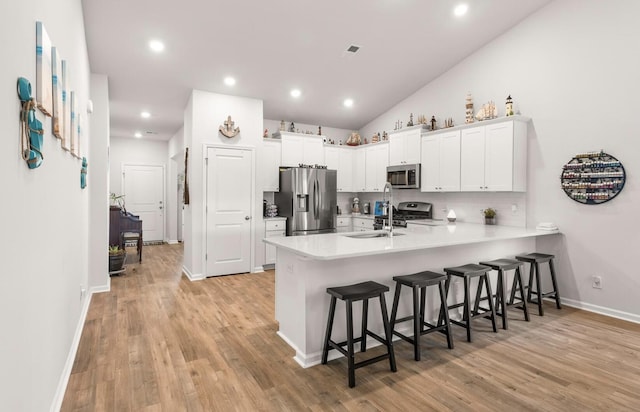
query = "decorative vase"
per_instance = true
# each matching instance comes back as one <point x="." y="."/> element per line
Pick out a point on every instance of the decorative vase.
<point x="116" y="262"/>
<point x="489" y="220"/>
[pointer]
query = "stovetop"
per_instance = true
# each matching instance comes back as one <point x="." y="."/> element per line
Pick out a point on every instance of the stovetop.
<point x="406" y="211"/>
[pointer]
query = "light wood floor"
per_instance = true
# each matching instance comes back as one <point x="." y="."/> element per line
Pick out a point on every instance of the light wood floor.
<point x="158" y="342"/>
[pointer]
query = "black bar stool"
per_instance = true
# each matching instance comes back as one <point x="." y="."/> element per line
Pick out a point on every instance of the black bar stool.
<point x="352" y="293"/>
<point x="502" y="265"/>
<point x="534" y="260"/>
<point x="467" y="272"/>
<point x="420" y="282"/>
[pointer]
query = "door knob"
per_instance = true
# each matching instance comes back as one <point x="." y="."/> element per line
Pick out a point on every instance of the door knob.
<point x="247" y="218"/>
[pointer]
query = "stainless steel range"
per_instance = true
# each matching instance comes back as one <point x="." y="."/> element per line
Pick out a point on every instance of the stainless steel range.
<point x="406" y="211"/>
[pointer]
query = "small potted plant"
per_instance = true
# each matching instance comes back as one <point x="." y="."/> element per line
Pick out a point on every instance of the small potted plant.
<point x="489" y="216"/>
<point x="117" y="258"/>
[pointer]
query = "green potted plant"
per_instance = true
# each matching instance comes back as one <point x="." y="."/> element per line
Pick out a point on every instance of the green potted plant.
<point x="117" y="201"/>
<point x="489" y="216"/>
<point x="117" y="258"/>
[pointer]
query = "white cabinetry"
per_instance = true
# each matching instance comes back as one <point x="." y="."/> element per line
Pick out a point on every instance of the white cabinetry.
<point x="341" y="159"/>
<point x="376" y="162"/>
<point x="362" y="224"/>
<point x="273" y="227"/>
<point x="494" y="157"/>
<point x="404" y="146"/>
<point x="271" y="159"/>
<point x="343" y="224"/>
<point x="359" y="170"/>
<point x="300" y="148"/>
<point x="441" y="162"/>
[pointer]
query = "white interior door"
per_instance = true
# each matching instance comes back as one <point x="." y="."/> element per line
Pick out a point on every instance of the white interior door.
<point x="143" y="188"/>
<point x="228" y="211"/>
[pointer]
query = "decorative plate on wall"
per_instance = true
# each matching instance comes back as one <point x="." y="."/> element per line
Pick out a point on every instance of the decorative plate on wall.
<point x="592" y="178"/>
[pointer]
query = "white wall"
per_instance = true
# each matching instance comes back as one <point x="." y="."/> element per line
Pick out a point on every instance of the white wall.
<point x="133" y="151"/>
<point x="98" y="184"/>
<point x="572" y="68"/>
<point x="175" y="160"/>
<point x="205" y="112"/>
<point x="45" y="228"/>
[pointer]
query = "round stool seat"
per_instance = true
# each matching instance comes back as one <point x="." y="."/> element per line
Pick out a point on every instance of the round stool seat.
<point x="504" y="264"/>
<point x="421" y="279"/>
<point x="535" y="258"/>
<point x="358" y="291"/>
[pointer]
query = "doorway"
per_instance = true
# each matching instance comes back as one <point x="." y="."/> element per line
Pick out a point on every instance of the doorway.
<point x="143" y="188"/>
<point x="228" y="207"/>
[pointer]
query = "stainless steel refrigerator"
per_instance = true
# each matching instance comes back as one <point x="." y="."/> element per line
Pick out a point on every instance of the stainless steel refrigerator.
<point x="307" y="198"/>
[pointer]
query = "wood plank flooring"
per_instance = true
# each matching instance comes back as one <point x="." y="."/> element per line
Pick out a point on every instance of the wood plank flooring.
<point x="158" y="342"/>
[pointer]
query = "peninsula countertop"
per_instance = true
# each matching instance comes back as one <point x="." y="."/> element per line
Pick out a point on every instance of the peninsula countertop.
<point x="419" y="235"/>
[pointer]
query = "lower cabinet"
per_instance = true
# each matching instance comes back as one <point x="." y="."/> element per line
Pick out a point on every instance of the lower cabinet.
<point x="343" y="224"/>
<point x="273" y="227"/>
<point x="362" y="224"/>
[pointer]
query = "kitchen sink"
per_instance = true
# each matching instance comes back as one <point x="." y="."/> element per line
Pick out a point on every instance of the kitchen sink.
<point x="369" y="235"/>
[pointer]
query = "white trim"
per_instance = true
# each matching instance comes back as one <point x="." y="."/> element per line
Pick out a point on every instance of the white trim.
<point x="252" y="206"/>
<point x="258" y="269"/>
<point x="172" y="242"/>
<point x="101" y="289"/>
<point x="71" y="357"/>
<point x="164" y="189"/>
<point x="618" y="314"/>
<point x="191" y="276"/>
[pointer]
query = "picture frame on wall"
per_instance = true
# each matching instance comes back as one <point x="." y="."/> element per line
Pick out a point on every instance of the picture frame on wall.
<point x="57" y="120"/>
<point x="74" y="122"/>
<point x="66" y="108"/>
<point x="44" y="86"/>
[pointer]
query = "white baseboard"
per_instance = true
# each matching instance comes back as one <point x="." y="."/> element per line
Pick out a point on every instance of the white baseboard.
<point x="172" y="242"/>
<point x="71" y="357"/>
<point x="257" y="269"/>
<point x="101" y="289"/>
<point x="191" y="276"/>
<point x="618" y="314"/>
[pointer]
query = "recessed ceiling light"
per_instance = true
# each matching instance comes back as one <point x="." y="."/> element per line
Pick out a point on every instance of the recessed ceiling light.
<point x="229" y="81"/>
<point x="296" y="93"/>
<point x="156" y="45"/>
<point x="145" y="115"/>
<point x="348" y="102"/>
<point x="460" y="10"/>
<point x="138" y="135"/>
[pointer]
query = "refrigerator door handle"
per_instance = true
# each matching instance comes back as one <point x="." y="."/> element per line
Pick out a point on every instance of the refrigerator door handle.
<point x="316" y="206"/>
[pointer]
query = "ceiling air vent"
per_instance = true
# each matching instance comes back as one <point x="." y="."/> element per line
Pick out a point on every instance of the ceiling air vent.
<point x="353" y="48"/>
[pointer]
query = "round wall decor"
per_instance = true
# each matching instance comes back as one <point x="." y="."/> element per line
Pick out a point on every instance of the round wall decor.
<point x="592" y="178"/>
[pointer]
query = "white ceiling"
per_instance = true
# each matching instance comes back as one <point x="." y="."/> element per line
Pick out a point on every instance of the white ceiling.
<point x="273" y="46"/>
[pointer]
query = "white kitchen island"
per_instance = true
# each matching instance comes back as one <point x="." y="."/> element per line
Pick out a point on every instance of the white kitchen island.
<point x="307" y="265"/>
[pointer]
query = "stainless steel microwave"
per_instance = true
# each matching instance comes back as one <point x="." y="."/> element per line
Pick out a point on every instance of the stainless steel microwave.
<point x="404" y="176"/>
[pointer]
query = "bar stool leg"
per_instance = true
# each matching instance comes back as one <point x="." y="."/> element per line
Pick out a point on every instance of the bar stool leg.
<point x="332" y="312"/>
<point x="447" y="284"/>
<point x="365" y="316"/>
<point x="388" y="334"/>
<point x="518" y="278"/>
<point x="444" y="313"/>
<point x="423" y="300"/>
<point x="394" y="308"/>
<point x="476" y="304"/>
<point x="501" y="293"/>
<point x="530" y="286"/>
<point x="555" y="284"/>
<point x="467" y="307"/>
<point x="416" y="324"/>
<point x="350" y="352"/>
<point x="539" y="291"/>
<point x="491" y="306"/>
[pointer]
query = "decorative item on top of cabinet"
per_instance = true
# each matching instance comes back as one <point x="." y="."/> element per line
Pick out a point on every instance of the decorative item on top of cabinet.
<point x="508" y="106"/>
<point x="468" y="112"/>
<point x="292" y="127"/>
<point x="282" y="126"/>
<point x="448" y="123"/>
<point x="354" y="139"/>
<point x="434" y="124"/>
<point x="592" y="178"/>
<point x="410" y="122"/>
<point x="487" y="111"/>
<point x="319" y="130"/>
<point x="422" y="119"/>
<point x="265" y="134"/>
<point x="227" y="128"/>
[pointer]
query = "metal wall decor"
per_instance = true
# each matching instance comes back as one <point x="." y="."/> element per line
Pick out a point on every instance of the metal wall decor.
<point x="592" y="178"/>
<point x="227" y="128"/>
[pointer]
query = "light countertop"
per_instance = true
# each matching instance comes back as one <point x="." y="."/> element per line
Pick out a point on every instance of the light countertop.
<point x="415" y="237"/>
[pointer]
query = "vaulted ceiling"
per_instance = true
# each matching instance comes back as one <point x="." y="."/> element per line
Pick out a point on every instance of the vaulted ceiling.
<point x="272" y="47"/>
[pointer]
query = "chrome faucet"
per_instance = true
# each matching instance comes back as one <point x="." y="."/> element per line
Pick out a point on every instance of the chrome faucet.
<point x="389" y="204"/>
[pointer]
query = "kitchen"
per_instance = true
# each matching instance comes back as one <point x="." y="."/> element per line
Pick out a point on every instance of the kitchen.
<point x="568" y="68"/>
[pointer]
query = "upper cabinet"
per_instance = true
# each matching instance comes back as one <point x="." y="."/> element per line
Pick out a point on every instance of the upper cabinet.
<point x="404" y="146"/>
<point x="494" y="157"/>
<point x="376" y="162"/>
<point x="441" y="162"/>
<point x="341" y="159"/>
<point x="359" y="170"/>
<point x="301" y="148"/>
<point x="270" y="162"/>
